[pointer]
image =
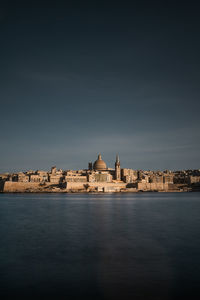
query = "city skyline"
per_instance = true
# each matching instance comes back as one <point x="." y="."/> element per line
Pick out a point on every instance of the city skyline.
<point x="99" y="177"/>
<point x="110" y="165"/>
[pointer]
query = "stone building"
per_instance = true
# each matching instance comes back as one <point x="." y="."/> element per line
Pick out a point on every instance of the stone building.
<point x="71" y="178"/>
<point x="98" y="177"/>
<point x="129" y="175"/>
<point x="53" y="170"/>
<point x="117" y="169"/>
<point x="156" y="178"/>
<point x="168" y="178"/>
<point x="23" y="177"/>
<point x="35" y="178"/>
<point x="56" y="179"/>
<point x="99" y="172"/>
<point x="194" y="179"/>
<point x="43" y="175"/>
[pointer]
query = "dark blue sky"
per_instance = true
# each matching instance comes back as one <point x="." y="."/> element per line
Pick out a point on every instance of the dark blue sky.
<point x="80" y="79"/>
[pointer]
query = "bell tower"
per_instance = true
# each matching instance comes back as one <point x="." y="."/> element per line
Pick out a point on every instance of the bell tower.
<point x="117" y="169"/>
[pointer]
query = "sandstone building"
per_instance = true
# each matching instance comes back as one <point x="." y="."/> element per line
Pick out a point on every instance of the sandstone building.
<point x="98" y="177"/>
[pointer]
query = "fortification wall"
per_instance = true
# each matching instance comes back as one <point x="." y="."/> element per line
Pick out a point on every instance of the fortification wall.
<point x="107" y="186"/>
<point x="155" y="186"/>
<point x="75" y="185"/>
<point x="22" y="187"/>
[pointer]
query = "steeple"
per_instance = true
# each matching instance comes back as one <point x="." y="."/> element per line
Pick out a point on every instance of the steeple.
<point x="117" y="168"/>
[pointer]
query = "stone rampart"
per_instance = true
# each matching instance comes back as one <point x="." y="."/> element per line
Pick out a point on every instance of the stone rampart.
<point x="23" y="187"/>
<point x="75" y="185"/>
<point x="99" y="186"/>
<point x="37" y="187"/>
<point x="155" y="186"/>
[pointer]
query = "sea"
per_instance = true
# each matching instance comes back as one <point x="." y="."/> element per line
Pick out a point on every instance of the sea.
<point x="100" y="246"/>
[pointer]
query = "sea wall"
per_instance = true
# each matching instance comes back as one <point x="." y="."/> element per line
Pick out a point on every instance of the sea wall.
<point x="32" y="187"/>
<point x="147" y="186"/>
<point x="75" y="185"/>
<point x="37" y="187"/>
<point x="98" y="186"/>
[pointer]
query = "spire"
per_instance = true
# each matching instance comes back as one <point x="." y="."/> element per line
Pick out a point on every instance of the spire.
<point x="117" y="168"/>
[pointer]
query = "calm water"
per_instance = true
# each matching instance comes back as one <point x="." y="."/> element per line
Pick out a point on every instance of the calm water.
<point x="118" y="246"/>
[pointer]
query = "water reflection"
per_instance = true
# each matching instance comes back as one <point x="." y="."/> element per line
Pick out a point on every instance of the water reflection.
<point x="132" y="246"/>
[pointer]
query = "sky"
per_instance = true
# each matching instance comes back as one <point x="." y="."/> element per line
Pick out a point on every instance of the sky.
<point x="99" y="77"/>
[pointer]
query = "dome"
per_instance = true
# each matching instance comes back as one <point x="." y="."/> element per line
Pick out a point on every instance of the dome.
<point x="99" y="164"/>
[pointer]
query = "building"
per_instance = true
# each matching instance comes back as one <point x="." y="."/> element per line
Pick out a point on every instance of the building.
<point x="98" y="177"/>
<point x="117" y="169"/>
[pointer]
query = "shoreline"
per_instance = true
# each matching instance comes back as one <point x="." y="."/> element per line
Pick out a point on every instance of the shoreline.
<point x="97" y="193"/>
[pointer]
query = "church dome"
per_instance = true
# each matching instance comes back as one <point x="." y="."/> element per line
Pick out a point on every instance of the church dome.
<point x="99" y="164"/>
